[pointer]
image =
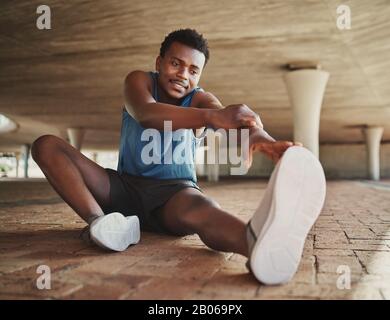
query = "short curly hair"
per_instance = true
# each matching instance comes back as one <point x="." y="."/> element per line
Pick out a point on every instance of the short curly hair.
<point x="188" y="37"/>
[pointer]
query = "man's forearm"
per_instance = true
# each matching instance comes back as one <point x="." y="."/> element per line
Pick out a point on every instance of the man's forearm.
<point x="153" y="115"/>
<point x="256" y="135"/>
<point x="259" y="134"/>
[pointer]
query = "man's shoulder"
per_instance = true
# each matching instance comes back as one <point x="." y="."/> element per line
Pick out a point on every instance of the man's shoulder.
<point x="200" y="95"/>
<point x="139" y="79"/>
<point x="203" y="98"/>
<point x="138" y="76"/>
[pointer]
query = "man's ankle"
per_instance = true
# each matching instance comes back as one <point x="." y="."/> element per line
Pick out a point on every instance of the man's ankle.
<point x="92" y="218"/>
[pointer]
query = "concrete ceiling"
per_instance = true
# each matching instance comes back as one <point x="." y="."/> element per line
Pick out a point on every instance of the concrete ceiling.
<point x="72" y="75"/>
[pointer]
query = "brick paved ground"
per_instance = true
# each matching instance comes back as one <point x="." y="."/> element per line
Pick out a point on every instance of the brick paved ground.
<point x="36" y="228"/>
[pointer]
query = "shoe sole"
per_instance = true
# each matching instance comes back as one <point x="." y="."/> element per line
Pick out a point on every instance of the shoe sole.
<point x="297" y="199"/>
<point x="116" y="232"/>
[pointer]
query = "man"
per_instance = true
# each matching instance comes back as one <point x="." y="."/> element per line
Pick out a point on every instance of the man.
<point x="164" y="196"/>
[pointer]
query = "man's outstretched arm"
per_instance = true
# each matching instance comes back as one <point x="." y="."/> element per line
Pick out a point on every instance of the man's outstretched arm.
<point x="140" y="103"/>
<point x="259" y="139"/>
<point x="208" y="101"/>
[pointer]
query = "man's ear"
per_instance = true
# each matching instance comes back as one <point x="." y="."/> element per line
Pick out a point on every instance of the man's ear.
<point x="158" y="63"/>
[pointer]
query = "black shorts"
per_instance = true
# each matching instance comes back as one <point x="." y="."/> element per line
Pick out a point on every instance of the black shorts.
<point x="143" y="197"/>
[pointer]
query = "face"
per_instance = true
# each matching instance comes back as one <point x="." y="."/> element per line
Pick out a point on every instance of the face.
<point x="179" y="70"/>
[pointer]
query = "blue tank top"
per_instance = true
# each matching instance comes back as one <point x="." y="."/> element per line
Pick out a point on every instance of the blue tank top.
<point x="172" y="150"/>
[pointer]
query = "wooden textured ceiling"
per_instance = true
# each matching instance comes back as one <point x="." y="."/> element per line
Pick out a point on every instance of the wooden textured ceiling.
<point x="72" y="75"/>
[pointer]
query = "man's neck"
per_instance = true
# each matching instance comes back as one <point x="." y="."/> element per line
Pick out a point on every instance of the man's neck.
<point x="164" y="98"/>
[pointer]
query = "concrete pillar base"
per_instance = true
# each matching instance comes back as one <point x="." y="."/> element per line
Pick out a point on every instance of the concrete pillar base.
<point x="306" y="89"/>
<point x="373" y="136"/>
<point x="213" y="143"/>
<point x="76" y="137"/>
<point x="17" y="158"/>
<point x="25" y="151"/>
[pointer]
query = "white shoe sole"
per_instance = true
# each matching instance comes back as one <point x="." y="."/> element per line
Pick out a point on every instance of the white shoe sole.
<point x="298" y="195"/>
<point x="115" y="231"/>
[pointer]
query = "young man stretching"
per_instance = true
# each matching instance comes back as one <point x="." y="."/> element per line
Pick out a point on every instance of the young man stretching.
<point x="164" y="197"/>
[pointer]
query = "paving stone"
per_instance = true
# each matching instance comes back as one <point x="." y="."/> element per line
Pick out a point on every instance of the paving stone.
<point x="335" y="278"/>
<point x="307" y="291"/>
<point x="359" y="233"/>
<point x="345" y="246"/>
<point x="385" y="293"/>
<point x="306" y="272"/>
<point x="330" y="236"/>
<point x="381" y="229"/>
<point x="100" y="286"/>
<point x="8" y="265"/>
<point x="365" y="293"/>
<point x="369" y="219"/>
<point x="330" y="264"/>
<point x="375" y="262"/>
<point x="166" y="288"/>
<point x="26" y="285"/>
<point x="229" y="283"/>
<point x="374" y="242"/>
<point x="333" y="252"/>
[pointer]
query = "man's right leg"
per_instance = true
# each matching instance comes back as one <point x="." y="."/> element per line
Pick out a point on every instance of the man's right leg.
<point x="83" y="184"/>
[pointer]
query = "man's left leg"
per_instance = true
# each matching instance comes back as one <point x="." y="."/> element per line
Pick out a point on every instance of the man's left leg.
<point x="189" y="211"/>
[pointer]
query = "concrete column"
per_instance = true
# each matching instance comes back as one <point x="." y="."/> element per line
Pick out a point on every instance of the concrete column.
<point x="213" y="140"/>
<point x="200" y="165"/>
<point x="25" y="151"/>
<point x="373" y="137"/>
<point x="213" y="172"/>
<point x="94" y="157"/>
<point x="17" y="157"/>
<point x="306" y="89"/>
<point x="76" y="136"/>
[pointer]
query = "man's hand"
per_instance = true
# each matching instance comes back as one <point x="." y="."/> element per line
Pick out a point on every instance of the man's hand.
<point x="235" y="116"/>
<point x="272" y="149"/>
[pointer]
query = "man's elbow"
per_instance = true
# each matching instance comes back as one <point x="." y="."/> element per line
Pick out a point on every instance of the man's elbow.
<point x="138" y="116"/>
<point x="132" y="75"/>
<point x="148" y="120"/>
<point x="145" y="119"/>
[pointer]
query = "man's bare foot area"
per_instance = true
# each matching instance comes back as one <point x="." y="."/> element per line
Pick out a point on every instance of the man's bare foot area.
<point x="272" y="149"/>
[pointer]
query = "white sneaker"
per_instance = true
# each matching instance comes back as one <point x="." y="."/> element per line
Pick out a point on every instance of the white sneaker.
<point x="115" y="231"/>
<point x="292" y="203"/>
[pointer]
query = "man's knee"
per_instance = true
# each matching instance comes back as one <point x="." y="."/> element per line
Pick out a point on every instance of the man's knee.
<point x="43" y="147"/>
<point x="197" y="217"/>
